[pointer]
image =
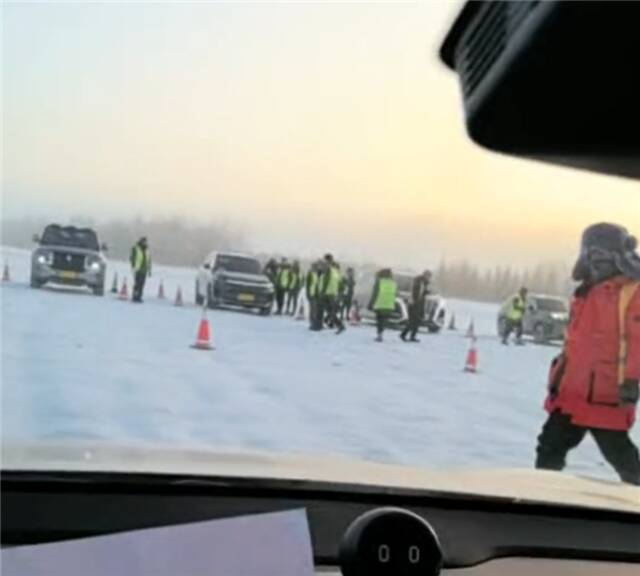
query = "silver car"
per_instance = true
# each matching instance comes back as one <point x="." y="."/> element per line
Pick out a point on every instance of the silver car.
<point x="70" y="256"/>
<point x="545" y="317"/>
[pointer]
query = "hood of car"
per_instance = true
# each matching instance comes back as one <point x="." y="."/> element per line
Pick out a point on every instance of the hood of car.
<point x="515" y="485"/>
<point x="67" y="250"/>
<point x="241" y="277"/>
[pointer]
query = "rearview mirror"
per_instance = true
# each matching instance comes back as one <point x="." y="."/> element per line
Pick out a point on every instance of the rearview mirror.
<point x="535" y="84"/>
<point x="36" y="238"/>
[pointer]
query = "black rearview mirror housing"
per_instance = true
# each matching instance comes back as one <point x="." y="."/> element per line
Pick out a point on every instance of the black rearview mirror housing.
<point x="552" y="81"/>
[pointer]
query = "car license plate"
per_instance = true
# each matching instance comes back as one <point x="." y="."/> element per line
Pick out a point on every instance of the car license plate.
<point x="246" y="297"/>
<point x="68" y="274"/>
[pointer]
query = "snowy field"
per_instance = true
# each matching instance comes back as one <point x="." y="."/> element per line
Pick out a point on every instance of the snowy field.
<point x="80" y="367"/>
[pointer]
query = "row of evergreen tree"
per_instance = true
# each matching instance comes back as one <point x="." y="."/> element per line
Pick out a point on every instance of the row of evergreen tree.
<point x="466" y="281"/>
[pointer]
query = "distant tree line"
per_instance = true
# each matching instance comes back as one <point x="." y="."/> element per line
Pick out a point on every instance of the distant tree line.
<point x="172" y="241"/>
<point x="464" y="280"/>
<point x="180" y="243"/>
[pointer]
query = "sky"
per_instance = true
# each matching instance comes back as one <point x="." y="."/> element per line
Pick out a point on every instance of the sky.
<point x="308" y="126"/>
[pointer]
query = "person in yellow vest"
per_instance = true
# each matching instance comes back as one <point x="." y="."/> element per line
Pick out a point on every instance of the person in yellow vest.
<point x="514" y="315"/>
<point x="383" y="299"/>
<point x="283" y="281"/>
<point x="295" y="284"/>
<point x="312" y="288"/>
<point x="140" y="260"/>
<point x="329" y="290"/>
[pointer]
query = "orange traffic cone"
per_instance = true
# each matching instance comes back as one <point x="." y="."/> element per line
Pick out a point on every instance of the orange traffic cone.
<point x="6" y="275"/>
<point x="161" y="291"/>
<point x="471" y="363"/>
<point x="301" y="314"/>
<point x="452" y="322"/>
<point x="471" y="331"/>
<point x="114" y="286"/>
<point x="203" y="339"/>
<point x="124" y="291"/>
<point x="178" y="301"/>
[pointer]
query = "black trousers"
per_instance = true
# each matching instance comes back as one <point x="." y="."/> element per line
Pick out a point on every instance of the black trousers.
<point x="381" y="320"/>
<point x="315" y="321"/>
<point x="345" y="306"/>
<point x="330" y="309"/>
<point x="512" y="325"/>
<point x="559" y="436"/>
<point x="292" y="301"/>
<point x="416" y="314"/>
<point x="139" y="280"/>
<point x="280" y="294"/>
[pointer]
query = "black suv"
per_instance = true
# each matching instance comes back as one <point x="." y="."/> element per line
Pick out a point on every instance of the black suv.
<point x="68" y="255"/>
<point x="233" y="279"/>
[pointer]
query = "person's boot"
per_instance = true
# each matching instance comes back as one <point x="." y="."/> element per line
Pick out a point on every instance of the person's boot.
<point x="414" y="339"/>
<point x="340" y="329"/>
<point x="379" y="338"/>
<point x="403" y="336"/>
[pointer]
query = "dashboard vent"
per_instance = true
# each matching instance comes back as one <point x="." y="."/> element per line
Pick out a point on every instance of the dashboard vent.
<point x="487" y="39"/>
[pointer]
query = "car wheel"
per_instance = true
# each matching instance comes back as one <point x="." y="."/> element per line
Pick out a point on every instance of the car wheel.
<point x="266" y="311"/>
<point x="199" y="297"/>
<point x="35" y="283"/>
<point x="539" y="335"/>
<point x="98" y="290"/>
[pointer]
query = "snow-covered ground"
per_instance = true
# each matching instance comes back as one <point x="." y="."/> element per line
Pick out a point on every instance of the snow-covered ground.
<point x="76" y="366"/>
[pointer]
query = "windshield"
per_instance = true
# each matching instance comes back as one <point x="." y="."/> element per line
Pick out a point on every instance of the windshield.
<point x="69" y="236"/>
<point x="551" y="305"/>
<point x="321" y="145"/>
<point x="236" y="264"/>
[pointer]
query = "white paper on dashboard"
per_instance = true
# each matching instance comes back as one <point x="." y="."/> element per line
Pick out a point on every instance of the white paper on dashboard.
<point x="273" y="544"/>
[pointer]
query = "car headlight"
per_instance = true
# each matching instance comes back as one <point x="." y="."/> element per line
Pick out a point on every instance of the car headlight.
<point x="45" y="258"/>
<point x="94" y="264"/>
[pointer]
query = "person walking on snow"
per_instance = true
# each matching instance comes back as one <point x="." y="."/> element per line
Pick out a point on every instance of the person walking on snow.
<point x="295" y="285"/>
<point x="329" y="287"/>
<point x="514" y="316"/>
<point x="283" y="281"/>
<point x="593" y="383"/>
<point x="383" y="299"/>
<point x="419" y="291"/>
<point x="346" y="291"/>
<point x="140" y="260"/>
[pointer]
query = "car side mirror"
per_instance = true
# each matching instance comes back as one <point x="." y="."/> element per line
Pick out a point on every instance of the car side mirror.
<point x="207" y="266"/>
<point x="36" y="238"/>
<point x="104" y="247"/>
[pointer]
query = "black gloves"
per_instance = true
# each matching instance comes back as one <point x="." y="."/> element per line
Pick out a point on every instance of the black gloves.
<point x="629" y="392"/>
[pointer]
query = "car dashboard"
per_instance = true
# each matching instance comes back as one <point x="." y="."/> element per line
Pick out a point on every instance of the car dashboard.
<point x="477" y="536"/>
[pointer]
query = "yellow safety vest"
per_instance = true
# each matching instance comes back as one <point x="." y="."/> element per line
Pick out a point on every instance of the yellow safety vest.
<point x="333" y="283"/>
<point x="386" y="298"/>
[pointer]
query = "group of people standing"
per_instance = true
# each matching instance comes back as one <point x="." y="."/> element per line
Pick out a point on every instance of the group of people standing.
<point x="329" y="292"/>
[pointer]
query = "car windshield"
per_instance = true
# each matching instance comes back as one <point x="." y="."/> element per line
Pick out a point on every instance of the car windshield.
<point x="322" y="146"/>
<point x="69" y="236"/>
<point x="551" y="305"/>
<point x="238" y="264"/>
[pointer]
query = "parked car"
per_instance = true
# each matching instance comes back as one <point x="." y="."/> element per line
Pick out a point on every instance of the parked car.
<point x="233" y="279"/>
<point x="434" y="317"/>
<point x="70" y="256"/>
<point x="545" y="317"/>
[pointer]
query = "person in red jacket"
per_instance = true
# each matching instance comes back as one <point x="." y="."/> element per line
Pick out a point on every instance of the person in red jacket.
<point x="593" y="383"/>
